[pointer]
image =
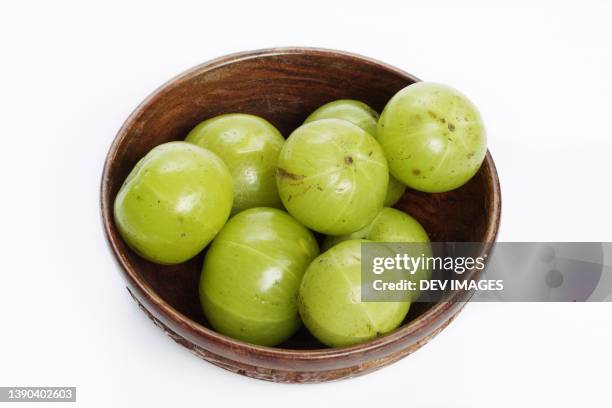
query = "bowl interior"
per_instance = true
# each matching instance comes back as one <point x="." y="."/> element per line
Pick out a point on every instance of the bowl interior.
<point x="284" y="87"/>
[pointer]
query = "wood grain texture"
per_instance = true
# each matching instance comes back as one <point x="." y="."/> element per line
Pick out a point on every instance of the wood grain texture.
<point x="283" y="86"/>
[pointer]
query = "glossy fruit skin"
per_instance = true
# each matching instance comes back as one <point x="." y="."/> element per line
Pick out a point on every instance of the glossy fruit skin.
<point x="433" y="136"/>
<point x="354" y="111"/>
<point x="249" y="146"/>
<point x="390" y="225"/>
<point x="173" y="202"/>
<point x="252" y="273"/>
<point x="366" y="118"/>
<point x="329" y="300"/>
<point x="332" y="176"/>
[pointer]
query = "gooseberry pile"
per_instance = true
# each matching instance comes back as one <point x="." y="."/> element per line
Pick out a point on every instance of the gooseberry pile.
<point x="235" y="183"/>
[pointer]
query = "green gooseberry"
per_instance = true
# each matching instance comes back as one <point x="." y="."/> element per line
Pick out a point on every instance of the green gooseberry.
<point x="332" y="176"/>
<point x="392" y="225"/>
<point x="395" y="191"/>
<point x="366" y="118"/>
<point x="354" y="111"/>
<point x="433" y="136"/>
<point x="330" y="300"/>
<point x="249" y="146"/>
<point x="173" y="203"/>
<point x="252" y="273"/>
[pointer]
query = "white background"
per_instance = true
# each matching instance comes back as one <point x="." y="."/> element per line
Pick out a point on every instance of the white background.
<point x="70" y="73"/>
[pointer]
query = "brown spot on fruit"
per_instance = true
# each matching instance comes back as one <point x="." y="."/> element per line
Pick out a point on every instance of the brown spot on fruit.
<point x="470" y="155"/>
<point x="348" y="160"/>
<point x="416" y="172"/>
<point x="434" y="116"/>
<point x="451" y="127"/>
<point x="284" y="174"/>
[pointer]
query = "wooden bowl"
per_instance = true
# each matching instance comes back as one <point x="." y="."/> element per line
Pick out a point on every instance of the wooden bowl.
<point x="284" y="86"/>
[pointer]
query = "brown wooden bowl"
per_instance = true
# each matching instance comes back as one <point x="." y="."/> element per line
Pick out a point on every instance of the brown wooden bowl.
<point x="284" y="86"/>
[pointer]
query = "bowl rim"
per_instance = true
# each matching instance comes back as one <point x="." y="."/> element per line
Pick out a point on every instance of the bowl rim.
<point x="431" y="315"/>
